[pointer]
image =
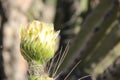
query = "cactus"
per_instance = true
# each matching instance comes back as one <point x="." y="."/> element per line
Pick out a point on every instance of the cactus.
<point x="38" y="43"/>
<point x="91" y="27"/>
<point x="112" y="72"/>
<point x="97" y="36"/>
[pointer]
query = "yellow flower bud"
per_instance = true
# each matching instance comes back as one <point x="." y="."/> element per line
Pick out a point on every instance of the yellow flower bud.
<point x="38" y="41"/>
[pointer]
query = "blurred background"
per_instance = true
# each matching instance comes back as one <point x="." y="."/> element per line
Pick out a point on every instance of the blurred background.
<point x="90" y="28"/>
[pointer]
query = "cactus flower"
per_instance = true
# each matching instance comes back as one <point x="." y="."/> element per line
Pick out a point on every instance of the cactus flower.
<point x="38" y="41"/>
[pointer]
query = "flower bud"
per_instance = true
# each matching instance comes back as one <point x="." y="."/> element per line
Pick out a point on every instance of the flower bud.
<point x="38" y="41"/>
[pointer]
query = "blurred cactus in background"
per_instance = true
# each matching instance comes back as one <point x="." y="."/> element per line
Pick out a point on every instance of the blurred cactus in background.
<point x="97" y="37"/>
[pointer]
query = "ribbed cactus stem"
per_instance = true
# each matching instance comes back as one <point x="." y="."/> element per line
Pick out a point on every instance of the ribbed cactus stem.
<point x="37" y="72"/>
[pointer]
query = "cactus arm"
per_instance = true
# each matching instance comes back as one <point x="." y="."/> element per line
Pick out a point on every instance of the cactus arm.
<point x="112" y="72"/>
<point x="98" y="35"/>
<point x="85" y="34"/>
